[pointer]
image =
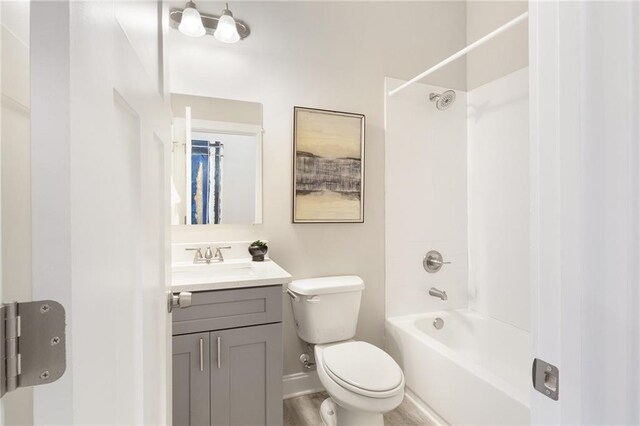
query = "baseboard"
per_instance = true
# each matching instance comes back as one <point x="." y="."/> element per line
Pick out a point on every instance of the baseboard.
<point x="433" y="417"/>
<point x="299" y="384"/>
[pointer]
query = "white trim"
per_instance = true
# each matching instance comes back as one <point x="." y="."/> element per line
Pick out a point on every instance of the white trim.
<point x="208" y="126"/>
<point x="259" y="176"/>
<point x="187" y="160"/>
<point x="584" y="177"/>
<point x="434" y="418"/>
<point x="461" y="53"/>
<point x="299" y="384"/>
<point x="548" y="41"/>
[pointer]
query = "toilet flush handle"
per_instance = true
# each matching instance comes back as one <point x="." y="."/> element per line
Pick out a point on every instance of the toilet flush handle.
<point x="292" y="295"/>
<point x="313" y="299"/>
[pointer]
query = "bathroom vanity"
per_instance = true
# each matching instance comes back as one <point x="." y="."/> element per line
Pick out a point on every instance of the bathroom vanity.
<point x="227" y="345"/>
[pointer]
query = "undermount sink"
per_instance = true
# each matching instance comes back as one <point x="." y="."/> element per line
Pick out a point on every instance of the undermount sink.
<point x="212" y="271"/>
<point x="231" y="273"/>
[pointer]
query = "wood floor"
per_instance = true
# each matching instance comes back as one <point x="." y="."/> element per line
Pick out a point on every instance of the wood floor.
<point x="305" y="411"/>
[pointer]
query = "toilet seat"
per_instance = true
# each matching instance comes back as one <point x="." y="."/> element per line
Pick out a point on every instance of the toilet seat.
<point x="363" y="369"/>
<point x="356" y="400"/>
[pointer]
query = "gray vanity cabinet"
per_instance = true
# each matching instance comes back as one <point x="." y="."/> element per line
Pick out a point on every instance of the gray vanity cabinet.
<point x="191" y="379"/>
<point x="238" y="336"/>
<point x="246" y="387"/>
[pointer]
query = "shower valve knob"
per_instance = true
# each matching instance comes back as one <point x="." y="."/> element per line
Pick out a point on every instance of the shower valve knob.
<point x="433" y="261"/>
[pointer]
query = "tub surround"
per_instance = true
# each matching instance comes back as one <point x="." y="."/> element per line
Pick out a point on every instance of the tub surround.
<point x="472" y="160"/>
<point x="426" y="199"/>
<point x="498" y="188"/>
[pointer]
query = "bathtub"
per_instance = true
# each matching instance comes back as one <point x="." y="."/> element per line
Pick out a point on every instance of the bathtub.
<point x="474" y="371"/>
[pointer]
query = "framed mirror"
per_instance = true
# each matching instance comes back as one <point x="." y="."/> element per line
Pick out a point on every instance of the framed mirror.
<point x="216" y="161"/>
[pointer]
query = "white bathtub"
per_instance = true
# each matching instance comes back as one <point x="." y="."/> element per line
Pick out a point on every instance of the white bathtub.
<point x="474" y="371"/>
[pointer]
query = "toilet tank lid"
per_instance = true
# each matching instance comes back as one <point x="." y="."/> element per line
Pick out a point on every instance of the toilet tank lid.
<point x="326" y="285"/>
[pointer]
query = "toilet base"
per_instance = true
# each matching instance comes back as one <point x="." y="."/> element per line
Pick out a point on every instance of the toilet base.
<point x="334" y="415"/>
<point x="328" y="412"/>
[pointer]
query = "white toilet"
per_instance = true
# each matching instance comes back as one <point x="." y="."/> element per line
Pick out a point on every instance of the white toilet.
<point x="363" y="381"/>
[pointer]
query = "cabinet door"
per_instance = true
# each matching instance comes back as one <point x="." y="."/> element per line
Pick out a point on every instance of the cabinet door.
<point x="246" y="376"/>
<point x="191" y="376"/>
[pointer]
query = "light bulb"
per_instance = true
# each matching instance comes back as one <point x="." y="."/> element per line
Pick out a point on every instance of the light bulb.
<point x="226" y="31"/>
<point x="191" y="22"/>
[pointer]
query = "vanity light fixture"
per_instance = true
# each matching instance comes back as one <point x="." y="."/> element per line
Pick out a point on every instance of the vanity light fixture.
<point x="191" y="21"/>
<point x="224" y="28"/>
<point x="227" y="32"/>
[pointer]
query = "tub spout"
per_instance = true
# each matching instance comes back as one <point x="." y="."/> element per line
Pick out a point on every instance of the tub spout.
<point x="438" y="293"/>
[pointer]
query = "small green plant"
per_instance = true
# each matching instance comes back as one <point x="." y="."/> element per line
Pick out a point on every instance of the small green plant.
<point x="258" y="243"/>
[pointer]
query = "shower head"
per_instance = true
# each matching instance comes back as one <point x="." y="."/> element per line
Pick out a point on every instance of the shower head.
<point x="443" y="100"/>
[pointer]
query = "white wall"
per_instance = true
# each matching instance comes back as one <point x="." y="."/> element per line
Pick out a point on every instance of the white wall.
<point x="16" y="152"/>
<point x="426" y="199"/>
<point x="16" y="178"/>
<point x="504" y="54"/>
<point x="327" y="55"/>
<point x="216" y="109"/>
<point x="498" y="187"/>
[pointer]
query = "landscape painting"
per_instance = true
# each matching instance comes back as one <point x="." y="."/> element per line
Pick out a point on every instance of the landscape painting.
<point x="328" y="166"/>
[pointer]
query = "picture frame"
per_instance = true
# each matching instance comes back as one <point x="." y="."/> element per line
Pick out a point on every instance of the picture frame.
<point x="328" y="166"/>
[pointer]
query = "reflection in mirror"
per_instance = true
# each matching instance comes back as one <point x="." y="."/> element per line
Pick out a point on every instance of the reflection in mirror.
<point x="216" y="161"/>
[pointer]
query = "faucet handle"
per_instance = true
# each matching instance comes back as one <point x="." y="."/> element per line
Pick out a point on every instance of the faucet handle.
<point x="218" y="254"/>
<point x="198" y="256"/>
<point x="198" y="250"/>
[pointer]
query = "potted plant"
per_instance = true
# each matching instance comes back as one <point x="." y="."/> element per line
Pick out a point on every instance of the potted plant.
<point x="258" y="249"/>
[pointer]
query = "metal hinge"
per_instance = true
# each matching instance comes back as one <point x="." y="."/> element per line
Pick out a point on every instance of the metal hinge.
<point x="32" y="344"/>
<point x="546" y="378"/>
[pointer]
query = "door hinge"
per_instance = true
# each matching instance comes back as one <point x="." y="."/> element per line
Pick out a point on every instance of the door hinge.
<point x="546" y="378"/>
<point x="32" y="344"/>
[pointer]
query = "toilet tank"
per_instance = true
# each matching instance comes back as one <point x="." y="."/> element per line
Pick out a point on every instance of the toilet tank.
<point x="326" y="309"/>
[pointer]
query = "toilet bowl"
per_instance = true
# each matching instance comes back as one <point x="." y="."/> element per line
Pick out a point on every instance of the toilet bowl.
<point x="363" y="381"/>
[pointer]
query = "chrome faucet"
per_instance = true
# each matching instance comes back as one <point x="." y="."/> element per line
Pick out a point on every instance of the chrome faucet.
<point x="208" y="255"/>
<point x="438" y="293"/>
<point x="199" y="258"/>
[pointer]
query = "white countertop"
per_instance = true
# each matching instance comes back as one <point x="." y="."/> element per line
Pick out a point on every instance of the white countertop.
<point x="232" y="273"/>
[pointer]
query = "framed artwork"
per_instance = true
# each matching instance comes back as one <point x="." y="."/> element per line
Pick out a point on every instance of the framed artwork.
<point x="328" y="166"/>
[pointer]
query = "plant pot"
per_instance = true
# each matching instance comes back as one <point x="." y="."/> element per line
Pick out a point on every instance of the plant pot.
<point x="258" y="252"/>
